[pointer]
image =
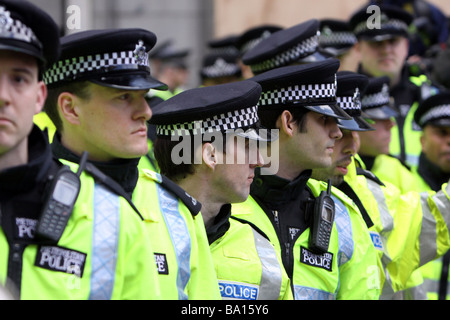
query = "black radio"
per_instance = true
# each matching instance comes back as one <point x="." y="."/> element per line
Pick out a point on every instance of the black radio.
<point x="322" y="221"/>
<point x="58" y="206"/>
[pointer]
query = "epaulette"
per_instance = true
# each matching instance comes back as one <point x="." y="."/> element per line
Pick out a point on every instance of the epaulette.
<point x="368" y="175"/>
<point x="191" y="203"/>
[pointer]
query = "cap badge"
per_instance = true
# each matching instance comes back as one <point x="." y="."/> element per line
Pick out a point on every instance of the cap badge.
<point x="140" y="54"/>
<point x="357" y="99"/>
<point x="5" y="20"/>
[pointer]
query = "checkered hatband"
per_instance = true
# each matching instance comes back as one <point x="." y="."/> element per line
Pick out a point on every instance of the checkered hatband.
<point x="220" y="68"/>
<point x="377" y="99"/>
<point x="337" y="38"/>
<point x="392" y="24"/>
<point x="15" y="29"/>
<point x="438" y="112"/>
<point x="75" y="68"/>
<point x="309" y="93"/>
<point x="299" y="51"/>
<point x="350" y="105"/>
<point x="238" y="119"/>
<point x="253" y="42"/>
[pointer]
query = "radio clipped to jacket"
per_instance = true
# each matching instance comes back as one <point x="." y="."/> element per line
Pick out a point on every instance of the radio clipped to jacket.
<point x="322" y="221"/>
<point x="62" y="195"/>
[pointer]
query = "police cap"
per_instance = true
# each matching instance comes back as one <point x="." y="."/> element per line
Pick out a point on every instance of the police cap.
<point x="216" y="65"/>
<point x="115" y="58"/>
<point x="224" y="45"/>
<point x="350" y="86"/>
<point x="253" y="36"/>
<point x="382" y="23"/>
<point x="285" y="47"/>
<point x="27" y="29"/>
<point x="435" y="110"/>
<point x="376" y="102"/>
<point x="220" y="108"/>
<point x="311" y="85"/>
<point x="336" y="37"/>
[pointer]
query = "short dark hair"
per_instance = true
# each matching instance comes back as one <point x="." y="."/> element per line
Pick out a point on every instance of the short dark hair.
<point x="269" y="117"/>
<point x="163" y="148"/>
<point x="78" y="88"/>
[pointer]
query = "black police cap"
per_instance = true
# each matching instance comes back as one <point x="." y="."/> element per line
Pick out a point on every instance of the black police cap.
<point x="435" y="110"/>
<point x="216" y="65"/>
<point x="224" y="45"/>
<point x="311" y="85"/>
<point x="376" y="101"/>
<point x="26" y="28"/>
<point x="393" y="21"/>
<point x="350" y="86"/>
<point x="285" y="47"/>
<point x="218" y="108"/>
<point x="115" y="58"/>
<point x="251" y="37"/>
<point x="336" y="37"/>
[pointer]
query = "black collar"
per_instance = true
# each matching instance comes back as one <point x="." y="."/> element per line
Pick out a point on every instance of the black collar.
<point x="432" y="174"/>
<point x="123" y="171"/>
<point x="273" y="188"/>
<point x="221" y="224"/>
<point x="25" y="177"/>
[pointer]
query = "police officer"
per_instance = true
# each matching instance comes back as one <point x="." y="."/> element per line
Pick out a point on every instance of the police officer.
<point x="376" y="105"/>
<point x="220" y="68"/>
<point x="294" y="45"/>
<point x="433" y="116"/>
<point x="218" y="124"/>
<point x="339" y="41"/>
<point x="97" y="102"/>
<point x="300" y="101"/>
<point x="396" y="236"/>
<point x="383" y="45"/>
<point x="86" y="261"/>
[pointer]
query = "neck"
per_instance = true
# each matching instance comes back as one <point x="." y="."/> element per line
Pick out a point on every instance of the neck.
<point x="200" y="189"/>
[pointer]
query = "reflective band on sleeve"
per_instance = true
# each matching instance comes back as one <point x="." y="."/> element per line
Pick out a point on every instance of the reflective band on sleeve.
<point x="344" y="228"/>
<point x="305" y="293"/>
<point x="179" y="235"/>
<point x="270" y="285"/>
<point x="104" y="243"/>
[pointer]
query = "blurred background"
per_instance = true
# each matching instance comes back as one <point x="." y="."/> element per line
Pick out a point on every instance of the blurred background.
<point x="191" y="24"/>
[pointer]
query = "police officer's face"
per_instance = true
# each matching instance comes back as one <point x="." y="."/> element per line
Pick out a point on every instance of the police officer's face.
<point x="436" y="146"/>
<point x="383" y="58"/>
<point x="377" y="142"/>
<point x="112" y="123"/>
<point x="344" y="149"/>
<point x="313" y="147"/>
<point x="21" y="97"/>
<point x="233" y="176"/>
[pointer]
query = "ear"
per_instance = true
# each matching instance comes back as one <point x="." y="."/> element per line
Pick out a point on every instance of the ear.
<point x="209" y="155"/>
<point x="41" y="97"/>
<point x="286" y="123"/>
<point x="67" y="105"/>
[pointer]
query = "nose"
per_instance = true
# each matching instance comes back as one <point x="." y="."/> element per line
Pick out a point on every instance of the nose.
<point x="5" y="97"/>
<point x="144" y="110"/>
<point x="257" y="159"/>
<point x="335" y="132"/>
<point x="351" y="142"/>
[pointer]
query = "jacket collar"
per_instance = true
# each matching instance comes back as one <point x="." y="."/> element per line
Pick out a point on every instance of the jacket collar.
<point x="123" y="171"/>
<point x="432" y="174"/>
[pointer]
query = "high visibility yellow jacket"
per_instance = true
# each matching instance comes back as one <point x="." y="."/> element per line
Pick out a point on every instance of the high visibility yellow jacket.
<point x="410" y="229"/>
<point x="43" y="122"/>
<point x="247" y="265"/>
<point x="177" y="233"/>
<point x="349" y="270"/>
<point x="103" y="252"/>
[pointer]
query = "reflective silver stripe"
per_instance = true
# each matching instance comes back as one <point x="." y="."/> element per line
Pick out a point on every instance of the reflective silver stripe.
<point x="105" y="243"/>
<point x="180" y="236"/>
<point x="344" y="228"/>
<point x="387" y="221"/>
<point x="271" y="280"/>
<point x="428" y="233"/>
<point x="306" y="293"/>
